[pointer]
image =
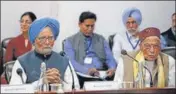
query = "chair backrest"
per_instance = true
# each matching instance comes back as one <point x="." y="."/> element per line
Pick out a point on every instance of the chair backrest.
<point x="62" y="53"/>
<point x="63" y="44"/>
<point x="170" y="51"/>
<point x="3" y="57"/>
<point x="8" y="70"/>
<point x="5" y="42"/>
<point x="4" y="46"/>
<point x="111" y="42"/>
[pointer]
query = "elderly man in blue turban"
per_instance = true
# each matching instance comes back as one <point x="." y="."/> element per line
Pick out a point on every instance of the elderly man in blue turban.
<point x="128" y="40"/>
<point x="42" y="34"/>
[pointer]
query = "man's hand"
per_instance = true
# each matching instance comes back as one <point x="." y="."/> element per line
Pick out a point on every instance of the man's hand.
<point x="93" y="72"/>
<point x="110" y="72"/>
<point x="53" y="76"/>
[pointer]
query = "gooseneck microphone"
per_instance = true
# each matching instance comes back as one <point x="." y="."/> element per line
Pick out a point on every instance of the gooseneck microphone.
<point x="43" y="72"/>
<point x="45" y="84"/>
<point x="73" y="83"/>
<point x="124" y="52"/>
<point x="20" y="72"/>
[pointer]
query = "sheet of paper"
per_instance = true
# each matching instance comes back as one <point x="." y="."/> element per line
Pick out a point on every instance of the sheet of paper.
<point x="102" y="75"/>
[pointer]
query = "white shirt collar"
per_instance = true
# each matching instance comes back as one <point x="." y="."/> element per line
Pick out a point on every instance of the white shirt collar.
<point x="132" y="38"/>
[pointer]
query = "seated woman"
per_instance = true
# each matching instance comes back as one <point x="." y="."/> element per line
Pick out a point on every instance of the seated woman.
<point x="20" y="44"/>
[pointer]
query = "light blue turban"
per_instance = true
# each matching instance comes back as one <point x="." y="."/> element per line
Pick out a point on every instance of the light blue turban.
<point x="38" y="25"/>
<point x="134" y="13"/>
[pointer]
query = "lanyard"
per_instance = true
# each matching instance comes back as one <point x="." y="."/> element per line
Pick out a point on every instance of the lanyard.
<point x="134" y="47"/>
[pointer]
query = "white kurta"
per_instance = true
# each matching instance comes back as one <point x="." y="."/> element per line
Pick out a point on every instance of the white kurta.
<point x="15" y="79"/>
<point x="121" y="42"/>
<point x="171" y="81"/>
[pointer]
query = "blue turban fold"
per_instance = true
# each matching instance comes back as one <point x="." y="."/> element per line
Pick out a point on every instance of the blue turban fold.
<point x="38" y="25"/>
<point x="134" y="13"/>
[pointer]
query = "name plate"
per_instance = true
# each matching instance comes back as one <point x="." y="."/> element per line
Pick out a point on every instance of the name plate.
<point x="101" y="85"/>
<point x="24" y="88"/>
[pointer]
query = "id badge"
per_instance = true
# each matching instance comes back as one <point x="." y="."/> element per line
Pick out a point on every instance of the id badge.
<point x="88" y="60"/>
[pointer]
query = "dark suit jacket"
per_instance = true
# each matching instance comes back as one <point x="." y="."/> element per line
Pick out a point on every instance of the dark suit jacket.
<point x="169" y="37"/>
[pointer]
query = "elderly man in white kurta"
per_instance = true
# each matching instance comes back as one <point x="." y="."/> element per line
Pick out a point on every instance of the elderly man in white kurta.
<point x="161" y="66"/>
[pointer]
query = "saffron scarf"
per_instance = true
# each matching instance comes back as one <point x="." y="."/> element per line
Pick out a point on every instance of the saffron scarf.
<point x="161" y="79"/>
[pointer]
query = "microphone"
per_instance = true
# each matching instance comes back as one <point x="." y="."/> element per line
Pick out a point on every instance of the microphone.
<point x="73" y="83"/>
<point x="19" y="72"/>
<point x="43" y="72"/>
<point x="64" y="55"/>
<point x="45" y="85"/>
<point x="124" y="52"/>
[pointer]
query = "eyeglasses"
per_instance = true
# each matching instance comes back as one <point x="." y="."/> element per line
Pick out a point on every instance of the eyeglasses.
<point x="26" y="22"/>
<point x="44" y="38"/>
<point x="149" y="46"/>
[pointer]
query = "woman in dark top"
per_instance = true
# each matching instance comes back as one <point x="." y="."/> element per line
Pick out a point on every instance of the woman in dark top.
<point x="20" y="44"/>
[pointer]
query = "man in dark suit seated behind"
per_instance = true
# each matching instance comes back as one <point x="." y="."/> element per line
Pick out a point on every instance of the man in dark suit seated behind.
<point x="170" y="34"/>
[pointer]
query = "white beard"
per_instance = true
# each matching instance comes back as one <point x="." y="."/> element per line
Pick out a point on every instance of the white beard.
<point x="133" y="32"/>
<point x="44" y="51"/>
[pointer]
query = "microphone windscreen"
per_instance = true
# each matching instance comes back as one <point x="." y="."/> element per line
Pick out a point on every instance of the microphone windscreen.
<point x="19" y="71"/>
<point x="124" y="52"/>
<point x="43" y="66"/>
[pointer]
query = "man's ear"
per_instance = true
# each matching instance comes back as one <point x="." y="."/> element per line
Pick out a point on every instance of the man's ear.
<point x="35" y="42"/>
<point x="79" y="24"/>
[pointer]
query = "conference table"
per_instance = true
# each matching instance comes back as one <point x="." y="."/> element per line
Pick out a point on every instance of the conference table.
<point x="152" y="90"/>
<point x="130" y="90"/>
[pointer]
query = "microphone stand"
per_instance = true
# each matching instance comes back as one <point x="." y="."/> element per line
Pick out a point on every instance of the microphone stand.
<point x="45" y="84"/>
<point x="44" y="87"/>
<point x="151" y="81"/>
<point x="19" y="72"/>
<point x="139" y="80"/>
